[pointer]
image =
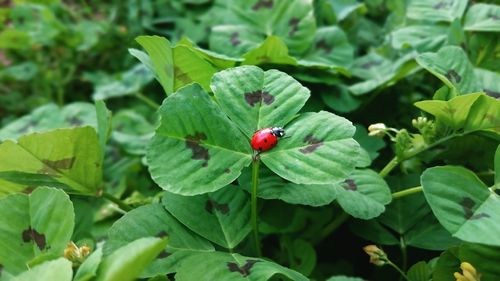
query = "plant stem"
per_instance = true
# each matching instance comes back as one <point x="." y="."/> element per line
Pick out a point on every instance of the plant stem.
<point x="406" y="192"/>
<point x="329" y="228"/>
<point x="398" y="269"/>
<point x="151" y="103"/>
<point x="117" y="201"/>
<point x="388" y="168"/>
<point x="255" y="184"/>
<point x="402" y="246"/>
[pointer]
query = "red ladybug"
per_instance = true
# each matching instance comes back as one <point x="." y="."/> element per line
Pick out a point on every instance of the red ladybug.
<point x="265" y="139"/>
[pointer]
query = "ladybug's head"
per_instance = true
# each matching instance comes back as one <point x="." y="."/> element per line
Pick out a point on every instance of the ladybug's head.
<point x="278" y="131"/>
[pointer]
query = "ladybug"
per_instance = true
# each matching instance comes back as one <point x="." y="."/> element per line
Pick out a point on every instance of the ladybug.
<point x="265" y="139"/>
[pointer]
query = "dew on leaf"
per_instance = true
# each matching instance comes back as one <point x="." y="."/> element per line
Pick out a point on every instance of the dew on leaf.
<point x="244" y="270"/>
<point x="30" y="234"/>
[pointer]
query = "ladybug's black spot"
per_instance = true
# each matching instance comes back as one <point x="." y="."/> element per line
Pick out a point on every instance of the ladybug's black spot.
<point x="453" y="76"/>
<point x="294" y="25"/>
<point x="164" y="254"/>
<point x="199" y="152"/>
<point x="182" y="76"/>
<point x="260" y="148"/>
<point x="492" y="94"/>
<point x="262" y="4"/>
<point x="258" y="96"/>
<point x="211" y="205"/>
<point x="244" y="270"/>
<point x="371" y="64"/>
<point x="162" y="234"/>
<point x="30" y="234"/>
<point x="468" y="205"/>
<point x="349" y="184"/>
<point x="321" y="44"/>
<point x="234" y="39"/>
<point x="265" y="140"/>
<point x="313" y="144"/>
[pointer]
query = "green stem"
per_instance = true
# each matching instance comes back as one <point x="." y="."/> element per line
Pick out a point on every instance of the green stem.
<point x="334" y="224"/>
<point x="402" y="246"/>
<point x="117" y="201"/>
<point x="406" y="192"/>
<point x="151" y="103"/>
<point x="388" y="168"/>
<point x="398" y="269"/>
<point x="255" y="184"/>
<point x="412" y="153"/>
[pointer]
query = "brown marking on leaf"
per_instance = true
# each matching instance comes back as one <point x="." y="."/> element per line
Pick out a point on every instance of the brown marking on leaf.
<point x="234" y="39"/>
<point x="370" y="64"/>
<point x="74" y="121"/>
<point x="493" y="17"/>
<point x="1" y="269"/>
<point x="63" y="164"/>
<point x="29" y="189"/>
<point x="492" y="94"/>
<point x="164" y="254"/>
<point x="263" y="59"/>
<point x="30" y="234"/>
<point x="350" y="184"/>
<point x="258" y="96"/>
<point x="211" y="205"/>
<point x="321" y="44"/>
<point x="268" y="4"/>
<point x="182" y="76"/>
<point x="294" y="26"/>
<point x="162" y="234"/>
<point x="313" y="142"/>
<point x="453" y="76"/>
<point x="31" y="124"/>
<point x="244" y="270"/>
<point x="199" y="152"/>
<point x="440" y="5"/>
<point x="227" y="171"/>
<point x="467" y="205"/>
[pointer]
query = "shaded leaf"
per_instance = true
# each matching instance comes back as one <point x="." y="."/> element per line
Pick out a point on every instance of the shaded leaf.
<point x="88" y="269"/>
<point x="432" y="10"/>
<point x="222" y="217"/>
<point x="419" y="272"/>
<point x="59" y="270"/>
<point x="483" y="17"/>
<point x="272" y="50"/>
<point x="123" y="84"/>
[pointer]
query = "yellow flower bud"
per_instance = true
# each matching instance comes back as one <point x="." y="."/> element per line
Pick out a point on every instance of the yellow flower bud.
<point x="469" y="273"/>
<point x="377" y="129"/>
<point x="377" y="256"/>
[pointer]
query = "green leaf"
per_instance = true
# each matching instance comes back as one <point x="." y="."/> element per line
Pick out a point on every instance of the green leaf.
<point x="488" y="81"/>
<point x="232" y="267"/>
<point x="154" y="220"/>
<point x="302" y="256"/>
<point x="127" y="262"/>
<point x="132" y="131"/>
<point x="364" y="194"/>
<point x="59" y="270"/>
<point x="344" y="8"/>
<point x="484" y="114"/>
<point x="196" y="148"/>
<point x="50" y="116"/>
<point x="123" y="84"/>
<point x="222" y="217"/>
<point x="483" y="17"/>
<point x="24" y="71"/>
<point x="419" y="272"/>
<point x="344" y="278"/>
<point x="340" y="99"/>
<point x="14" y="39"/>
<point x="371" y="144"/>
<point x="463" y="204"/>
<point x="236" y="40"/>
<point x="162" y="60"/>
<point x="451" y="65"/>
<point x="420" y="37"/>
<point x="32" y="226"/>
<point x="255" y="99"/>
<point x="88" y="269"/>
<point x="103" y="123"/>
<point x="190" y="68"/>
<point x="320" y="150"/>
<point x="219" y="60"/>
<point x="330" y="48"/>
<point x="272" y="50"/>
<point x="497" y="165"/>
<point x="65" y="157"/>
<point x="431" y="10"/>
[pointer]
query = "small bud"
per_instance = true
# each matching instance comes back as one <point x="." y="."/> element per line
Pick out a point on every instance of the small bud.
<point x="469" y="273"/>
<point x="76" y="254"/>
<point x="377" y="129"/>
<point x="377" y="256"/>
